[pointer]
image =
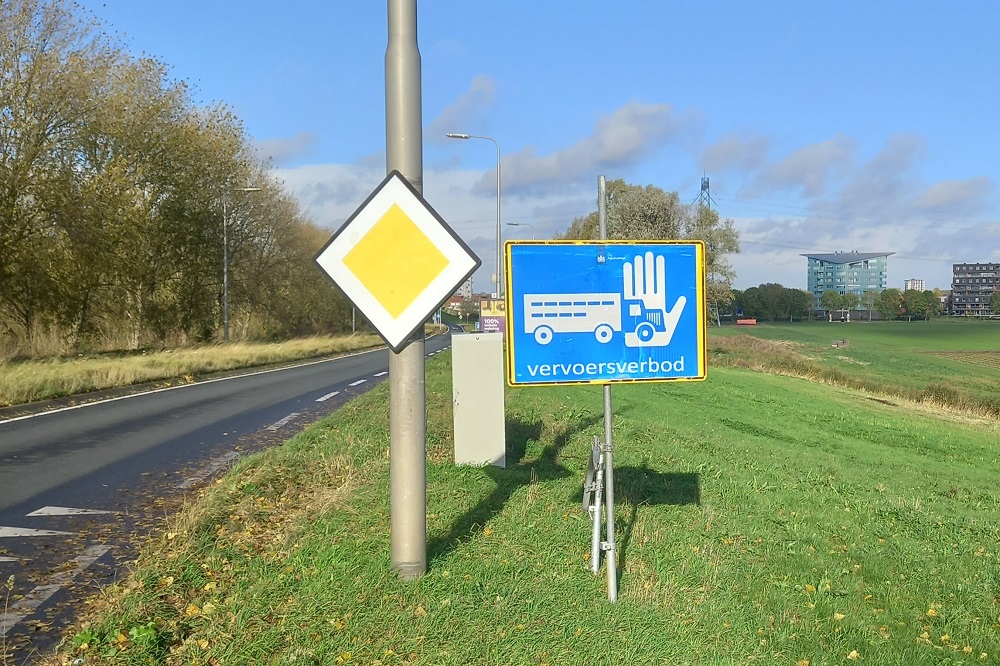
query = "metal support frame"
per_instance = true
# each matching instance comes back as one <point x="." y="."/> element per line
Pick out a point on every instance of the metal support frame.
<point x="600" y="481"/>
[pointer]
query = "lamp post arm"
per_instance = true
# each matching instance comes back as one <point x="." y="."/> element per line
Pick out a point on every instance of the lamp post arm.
<point x="499" y="268"/>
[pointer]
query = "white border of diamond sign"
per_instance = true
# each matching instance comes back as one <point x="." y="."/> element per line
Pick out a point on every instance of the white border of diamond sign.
<point x="462" y="262"/>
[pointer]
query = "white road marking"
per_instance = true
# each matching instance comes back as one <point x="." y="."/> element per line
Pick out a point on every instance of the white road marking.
<point x="4" y="558"/>
<point x="25" y="532"/>
<point x="65" y="511"/>
<point x="208" y="470"/>
<point x="274" y="426"/>
<point x="30" y="602"/>
<point x="360" y="381"/>
<point x="381" y="374"/>
<point x="326" y="397"/>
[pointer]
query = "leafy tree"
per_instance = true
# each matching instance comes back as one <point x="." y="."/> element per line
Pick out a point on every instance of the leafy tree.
<point x="850" y="302"/>
<point x="754" y="303"/>
<point x="914" y="303"/>
<point x="832" y="301"/>
<point x="932" y="305"/>
<point x="799" y="303"/>
<point x="776" y="302"/>
<point x="112" y="183"/>
<point x="649" y="213"/>
<point x="868" y="300"/>
<point x="995" y="302"/>
<point x="773" y="301"/>
<point x="734" y="305"/>
<point x="48" y="58"/>
<point x="889" y="303"/>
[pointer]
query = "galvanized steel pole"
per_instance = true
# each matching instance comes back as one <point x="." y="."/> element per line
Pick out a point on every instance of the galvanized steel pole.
<point x="407" y="393"/>
<point x="611" y="558"/>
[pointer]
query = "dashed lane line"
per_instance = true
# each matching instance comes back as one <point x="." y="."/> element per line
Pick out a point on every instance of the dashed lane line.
<point x="30" y="602"/>
<point x="381" y="374"/>
<point x="324" y="398"/>
<point x="214" y="466"/>
<point x="26" y="532"/>
<point x="65" y="511"/>
<point x="277" y="424"/>
<point x="360" y="381"/>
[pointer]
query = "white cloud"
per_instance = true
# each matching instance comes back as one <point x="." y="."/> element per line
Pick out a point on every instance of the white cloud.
<point x="736" y="151"/>
<point x="465" y="112"/>
<point x="825" y="196"/>
<point x="622" y="139"/>
<point x="283" y="150"/>
<point x="808" y="170"/>
<point x="950" y="195"/>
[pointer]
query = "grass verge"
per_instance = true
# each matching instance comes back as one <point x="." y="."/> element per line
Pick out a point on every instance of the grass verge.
<point x="761" y="519"/>
<point x="28" y="381"/>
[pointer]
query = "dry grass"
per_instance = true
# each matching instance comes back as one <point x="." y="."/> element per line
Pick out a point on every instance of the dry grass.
<point x="983" y="358"/>
<point x="28" y="381"/>
<point x="790" y="359"/>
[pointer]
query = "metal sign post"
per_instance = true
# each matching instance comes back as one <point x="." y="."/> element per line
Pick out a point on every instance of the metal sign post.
<point x="609" y="545"/>
<point x="397" y="261"/>
<point x="604" y="312"/>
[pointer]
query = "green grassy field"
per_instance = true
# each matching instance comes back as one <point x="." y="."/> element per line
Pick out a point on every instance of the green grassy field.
<point x="761" y="519"/>
<point x="950" y="362"/>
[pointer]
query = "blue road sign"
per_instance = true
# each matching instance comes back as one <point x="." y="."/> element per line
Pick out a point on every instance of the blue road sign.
<point x="602" y="312"/>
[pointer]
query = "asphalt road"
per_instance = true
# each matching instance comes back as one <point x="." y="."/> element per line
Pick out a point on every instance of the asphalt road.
<point x="79" y="483"/>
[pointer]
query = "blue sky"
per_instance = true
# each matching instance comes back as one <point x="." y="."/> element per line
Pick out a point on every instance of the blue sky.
<point x="869" y="126"/>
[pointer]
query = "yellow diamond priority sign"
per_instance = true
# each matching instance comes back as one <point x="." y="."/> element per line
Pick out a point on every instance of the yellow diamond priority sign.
<point x="397" y="260"/>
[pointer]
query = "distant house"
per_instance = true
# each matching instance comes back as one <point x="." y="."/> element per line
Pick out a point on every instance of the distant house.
<point x="846" y="273"/>
<point x="972" y="287"/>
<point x="453" y="305"/>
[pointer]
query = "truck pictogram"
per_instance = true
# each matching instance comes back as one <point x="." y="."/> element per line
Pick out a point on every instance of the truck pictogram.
<point x="649" y="322"/>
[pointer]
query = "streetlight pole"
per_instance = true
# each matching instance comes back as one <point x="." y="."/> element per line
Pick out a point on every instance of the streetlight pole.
<point x="523" y="224"/>
<point x="225" y="262"/>
<point x="499" y="277"/>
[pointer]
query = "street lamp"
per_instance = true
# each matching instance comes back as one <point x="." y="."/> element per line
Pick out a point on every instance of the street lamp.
<point x="225" y="263"/>
<point x="523" y="224"/>
<point x="499" y="281"/>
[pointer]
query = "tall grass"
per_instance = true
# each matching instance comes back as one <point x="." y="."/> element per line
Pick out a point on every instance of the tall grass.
<point x="27" y="381"/>
<point x="761" y="519"/>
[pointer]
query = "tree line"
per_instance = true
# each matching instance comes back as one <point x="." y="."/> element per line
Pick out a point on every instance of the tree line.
<point x="117" y="193"/>
<point x="774" y="302"/>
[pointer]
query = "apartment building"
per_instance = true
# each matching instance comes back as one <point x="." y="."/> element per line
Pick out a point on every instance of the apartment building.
<point x="913" y="283"/>
<point x="465" y="290"/>
<point x="972" y="287"/>
<point x="846" y="273"/>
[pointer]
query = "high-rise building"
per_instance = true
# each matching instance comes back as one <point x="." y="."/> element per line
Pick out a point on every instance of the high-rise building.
<point x="972" y="287"/>
<point x="846" y="273"/>
<point x="465" y="290"/>
<point x="915" y="284"/>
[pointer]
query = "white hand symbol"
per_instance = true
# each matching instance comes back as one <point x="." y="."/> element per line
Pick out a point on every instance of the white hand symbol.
<point x="646" y="281"/>
<point x="647" y="286"/>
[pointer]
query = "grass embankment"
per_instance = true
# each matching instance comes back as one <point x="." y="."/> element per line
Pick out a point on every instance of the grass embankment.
<point x="761" y="519"/>
<point x="940" y="362"/>
<point x="27" y="381"/>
